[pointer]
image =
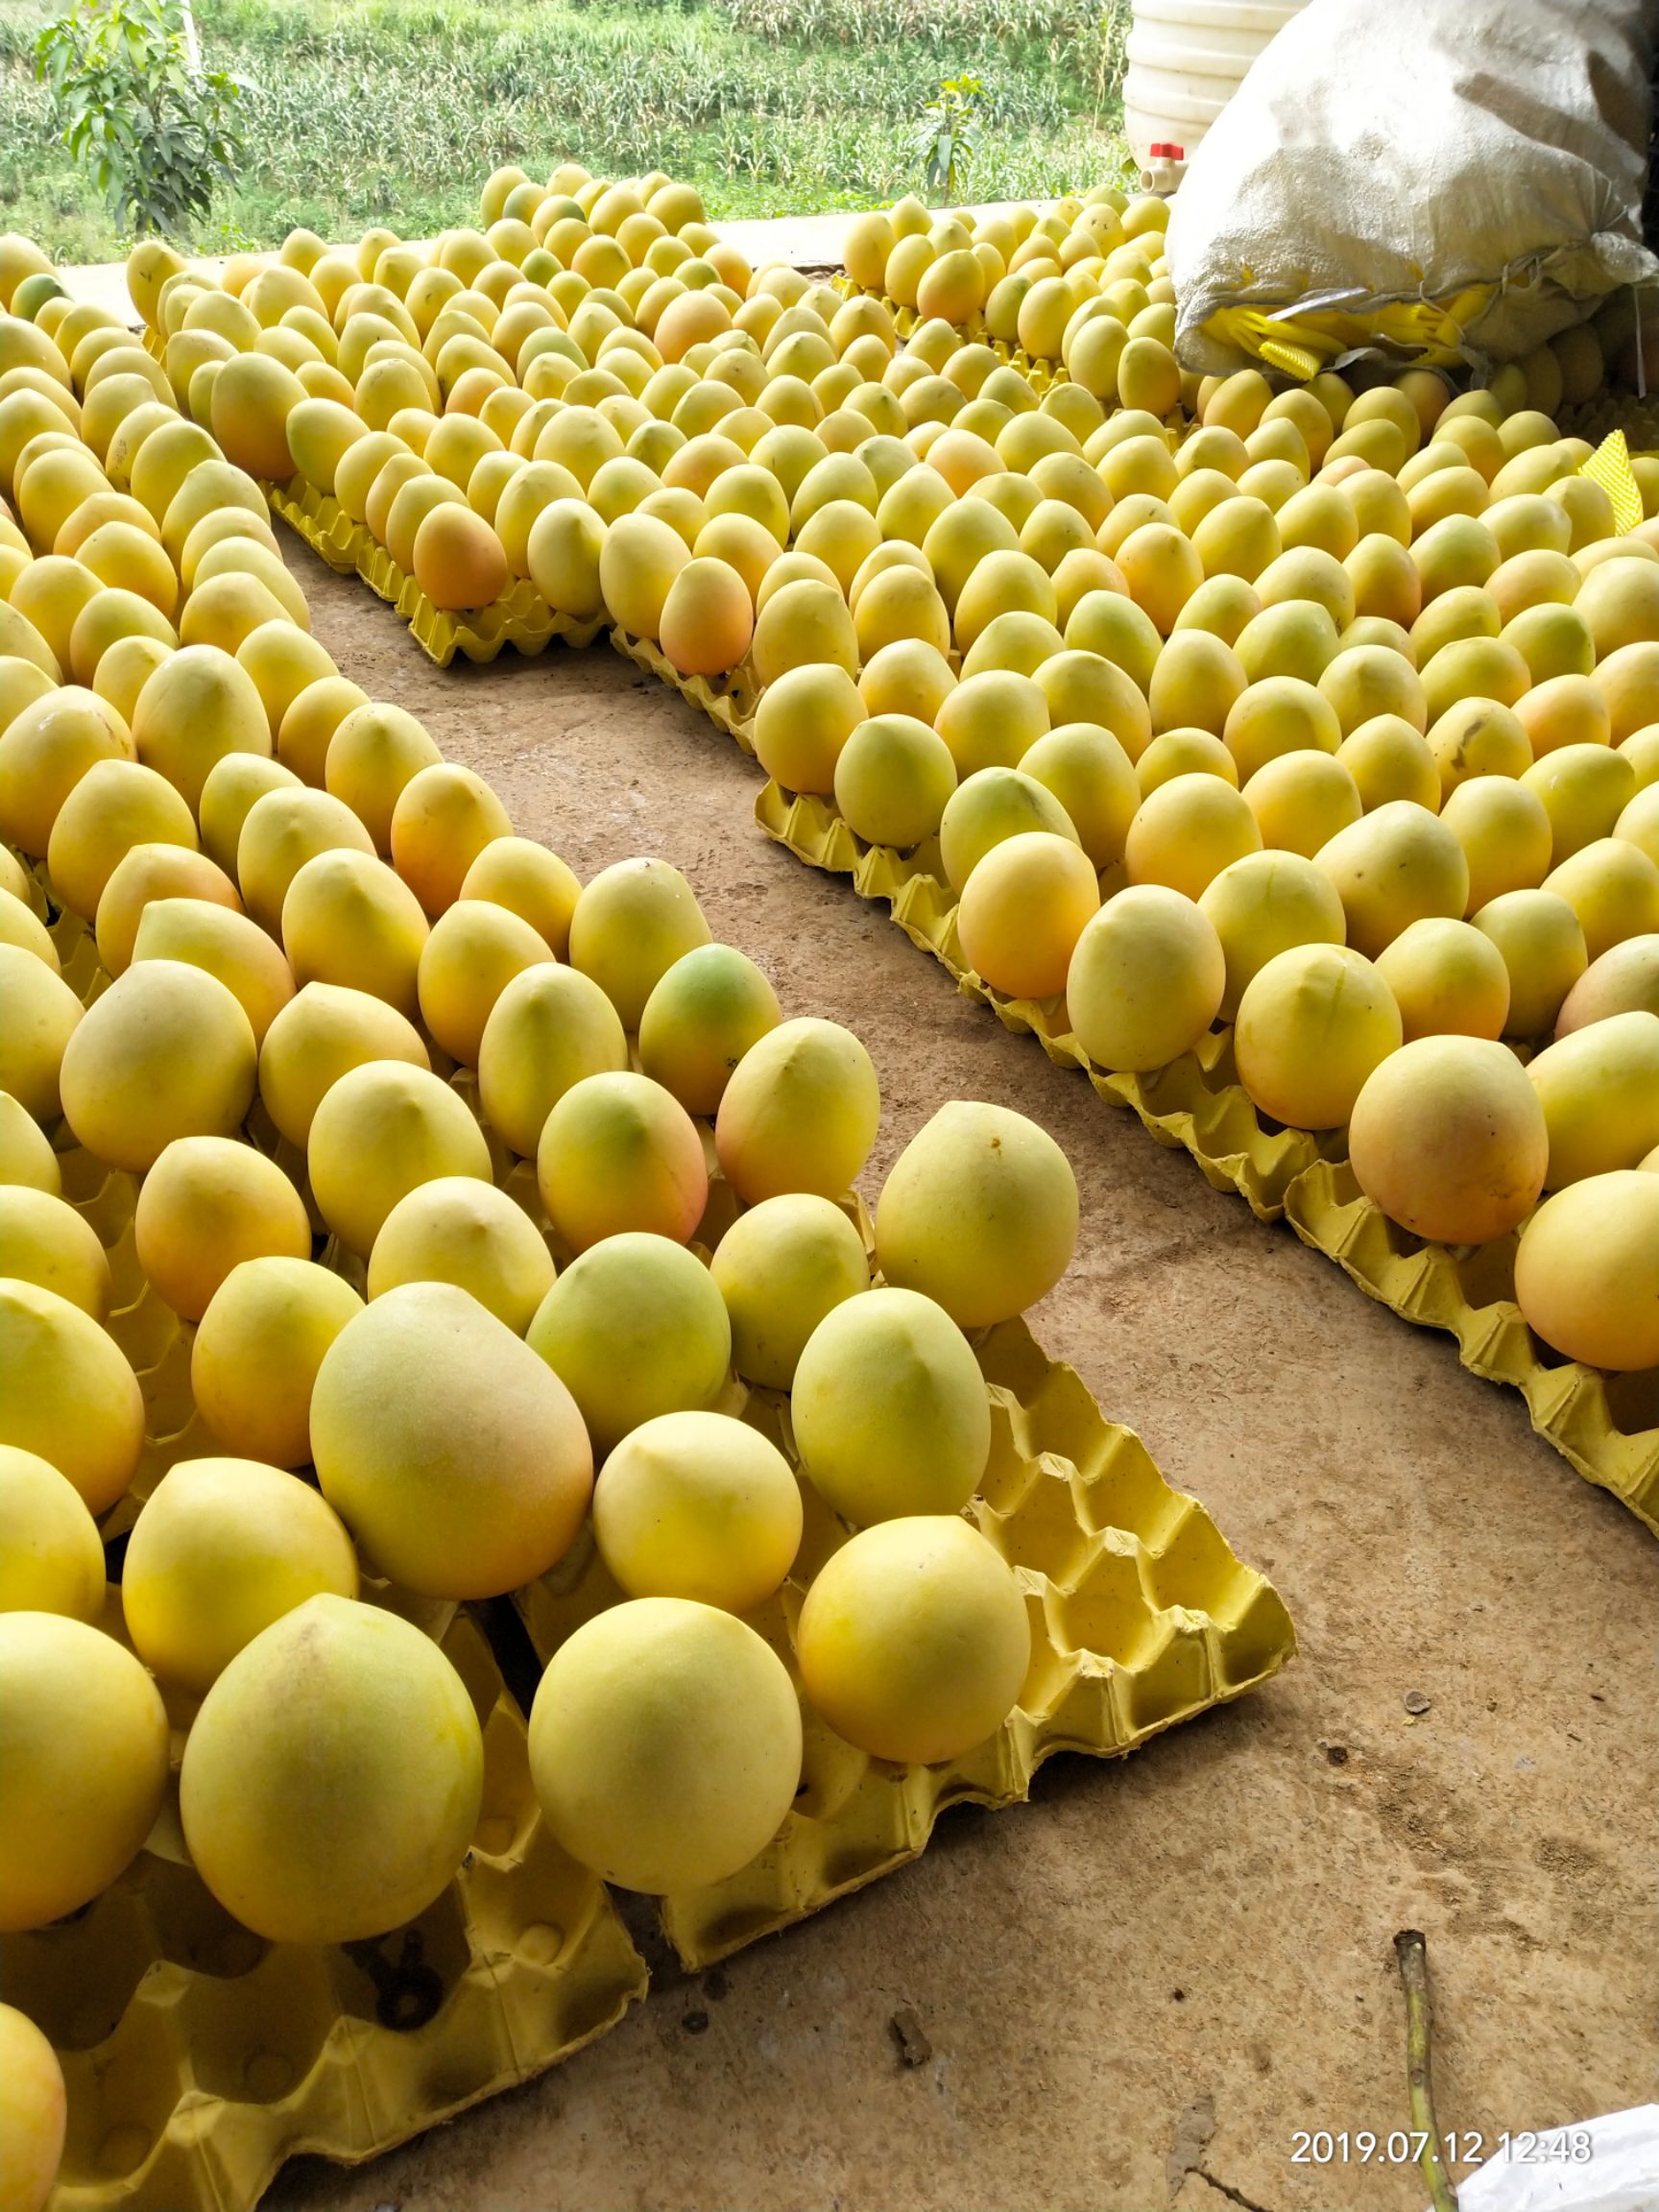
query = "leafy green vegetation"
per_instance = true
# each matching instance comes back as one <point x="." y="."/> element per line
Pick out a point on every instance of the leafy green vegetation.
<point x="948" y="135"/>
<point x="395" y="111"/>
<point x="155" y="132"/>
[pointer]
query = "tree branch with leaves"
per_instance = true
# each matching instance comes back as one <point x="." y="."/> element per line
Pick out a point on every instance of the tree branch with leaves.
<point x="946" y="136"/>
<point x="158" y="133"/>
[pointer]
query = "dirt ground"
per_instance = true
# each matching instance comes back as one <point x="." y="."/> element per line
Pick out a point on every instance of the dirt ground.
<point x="1137" y="1989"/>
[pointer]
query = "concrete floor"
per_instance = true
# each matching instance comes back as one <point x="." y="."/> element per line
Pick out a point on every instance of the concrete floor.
<point x="1139" y="1987"/>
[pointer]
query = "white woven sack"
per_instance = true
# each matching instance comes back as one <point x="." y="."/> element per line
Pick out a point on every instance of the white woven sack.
<point x="1381" y="151"/>
<point x="1605" y="2165"/>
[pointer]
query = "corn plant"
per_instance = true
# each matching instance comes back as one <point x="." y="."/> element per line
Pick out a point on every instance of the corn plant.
<point x="1108" y="51"/>
<point x="393" y="111"/>
<point x="949" y="123"/>
<point x="131" y="102"/>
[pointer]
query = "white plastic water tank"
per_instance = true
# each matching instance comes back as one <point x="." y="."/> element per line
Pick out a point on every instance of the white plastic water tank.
<point x="1187" y="59"/>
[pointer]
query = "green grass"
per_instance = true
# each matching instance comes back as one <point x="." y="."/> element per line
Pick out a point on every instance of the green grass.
<point x="394" y="111"/>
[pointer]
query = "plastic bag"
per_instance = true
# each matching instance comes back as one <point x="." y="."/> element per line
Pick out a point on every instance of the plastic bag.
<point x="1605" y="2165"/>
<point x="1446" y="180"/>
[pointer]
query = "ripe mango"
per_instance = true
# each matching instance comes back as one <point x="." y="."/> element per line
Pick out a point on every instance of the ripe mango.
<point x="665" y="1745"/>
<point x="333" y="1778"/>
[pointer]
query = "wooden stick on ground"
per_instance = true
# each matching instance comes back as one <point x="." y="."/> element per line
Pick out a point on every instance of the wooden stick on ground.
<point x="1411" y="1949"/>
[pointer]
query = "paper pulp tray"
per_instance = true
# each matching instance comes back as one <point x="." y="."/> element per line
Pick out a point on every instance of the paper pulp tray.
<point x="1196" y="1101"/>
<point x="728" y="701"/>
<point x="1141" y="1616"/>
<point x="199" y="2057"/>
<point x="522" y="618"/>
<point x="1606" y="1427"/>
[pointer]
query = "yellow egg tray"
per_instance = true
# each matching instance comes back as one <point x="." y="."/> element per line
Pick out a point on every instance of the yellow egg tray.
<point x="1039" y="371"/>
<point x="1196" y="1101"/>
<point x="522" y="618"/>
<point x="197" y="2057"/>
<point x="1141" y="1616"/>
<point x="728" y="701"/>
<point x="1606" y="1427"/>
<point x="323" y="523"/>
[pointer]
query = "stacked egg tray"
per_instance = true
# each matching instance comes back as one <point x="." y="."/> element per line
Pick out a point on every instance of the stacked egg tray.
<point x="199" y="2057"/>
<point x="522" y="618"/>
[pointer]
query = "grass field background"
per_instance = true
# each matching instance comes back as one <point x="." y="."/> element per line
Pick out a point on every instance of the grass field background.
<point x="394" y="110"/>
